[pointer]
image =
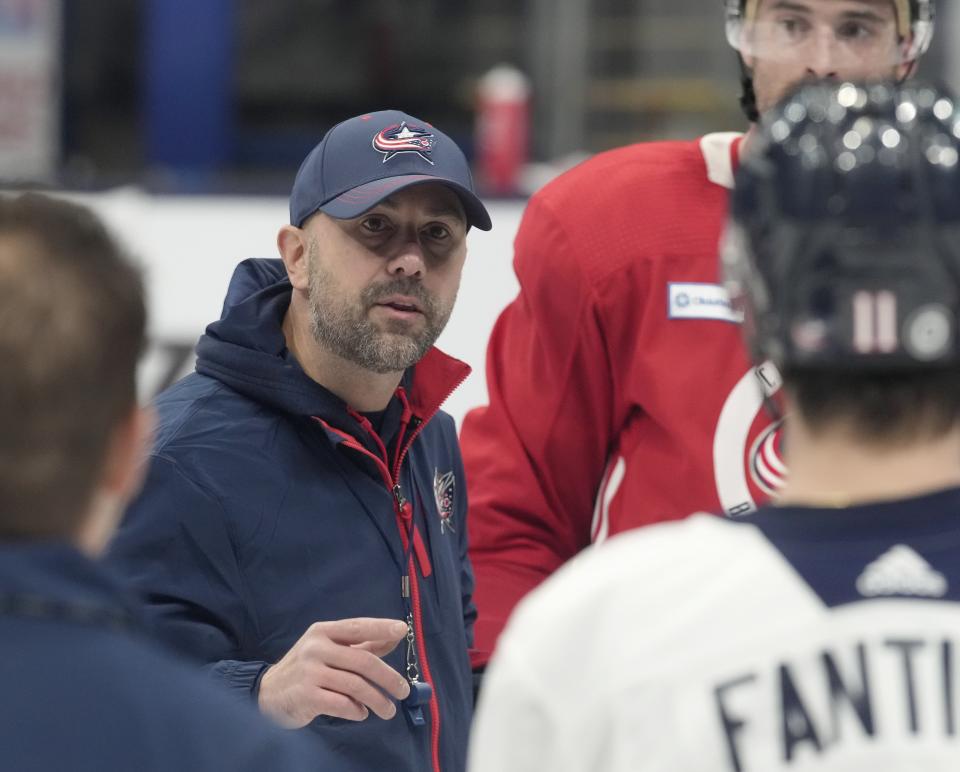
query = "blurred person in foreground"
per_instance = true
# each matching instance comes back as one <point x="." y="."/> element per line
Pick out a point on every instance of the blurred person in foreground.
<point x="821" y="632"/>
<point x="83" y="686"/>
<point x="304" y="510"/>
<point x="619" y="392"/>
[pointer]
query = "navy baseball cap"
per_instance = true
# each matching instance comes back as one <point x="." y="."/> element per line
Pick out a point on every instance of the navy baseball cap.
<point x="361" y="161"/>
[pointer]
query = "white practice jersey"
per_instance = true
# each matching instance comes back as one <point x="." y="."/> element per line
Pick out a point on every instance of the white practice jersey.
<point x="795" y="639"/>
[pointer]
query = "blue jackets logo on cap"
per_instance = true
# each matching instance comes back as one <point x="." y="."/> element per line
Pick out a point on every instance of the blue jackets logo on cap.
<point x="403" y="138"/>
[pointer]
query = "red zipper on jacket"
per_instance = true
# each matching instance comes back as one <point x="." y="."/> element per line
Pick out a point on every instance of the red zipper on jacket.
<point x="405" y="524"/>
<point x="415" y="590"/>
<point x="404" y="511"/>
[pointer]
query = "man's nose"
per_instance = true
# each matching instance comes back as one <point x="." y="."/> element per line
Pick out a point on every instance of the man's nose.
<point x="824" y="57"/>
<point x="408" y="261"/>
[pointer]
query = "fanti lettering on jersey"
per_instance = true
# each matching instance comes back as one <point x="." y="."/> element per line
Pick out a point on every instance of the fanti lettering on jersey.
<point x="700" y="301"/>
<point x="895" y="686"/>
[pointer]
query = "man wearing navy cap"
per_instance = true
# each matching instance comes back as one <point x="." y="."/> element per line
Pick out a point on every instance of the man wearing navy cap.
<point x="305" y="502"/>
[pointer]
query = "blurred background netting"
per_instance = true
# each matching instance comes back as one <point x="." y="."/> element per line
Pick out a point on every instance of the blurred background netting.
<point x="182" y="122"/>
<point x="231" y="94"/>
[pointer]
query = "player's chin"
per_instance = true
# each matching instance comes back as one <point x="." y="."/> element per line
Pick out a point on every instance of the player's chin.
<point x="407" y="327"/>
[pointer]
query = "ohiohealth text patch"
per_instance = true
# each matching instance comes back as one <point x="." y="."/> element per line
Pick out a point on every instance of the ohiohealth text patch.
<point x="700" y="301"/>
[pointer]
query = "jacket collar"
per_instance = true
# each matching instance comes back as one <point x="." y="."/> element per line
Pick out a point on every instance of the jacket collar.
<point x="432" y="380"/>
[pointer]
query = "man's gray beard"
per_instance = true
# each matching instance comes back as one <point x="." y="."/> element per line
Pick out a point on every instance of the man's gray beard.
<point x="347" y="331"/>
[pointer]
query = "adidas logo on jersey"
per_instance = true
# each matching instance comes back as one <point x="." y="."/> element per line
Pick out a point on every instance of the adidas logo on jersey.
<point x="901" y="571"/>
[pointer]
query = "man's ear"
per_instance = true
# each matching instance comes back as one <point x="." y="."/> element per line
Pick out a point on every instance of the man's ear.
<point x="125" y="464"/>
<point x="908" y="68"/>
<point x="124" y="468"/>
<point x="293" y="244"/>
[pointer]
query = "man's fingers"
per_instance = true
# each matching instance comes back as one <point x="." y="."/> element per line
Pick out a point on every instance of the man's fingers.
<point x="377" y="648"/>
<point x="331" y="703"/>
<point x="357" y="689"/>
<point x="361" y="629"/>
<point x="369" y="667"/>
<point x="335" y="670"/>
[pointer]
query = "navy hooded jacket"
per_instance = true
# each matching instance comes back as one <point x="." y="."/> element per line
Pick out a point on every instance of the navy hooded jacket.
<point x="85" y="690"/>
<point x="267" y="508"/>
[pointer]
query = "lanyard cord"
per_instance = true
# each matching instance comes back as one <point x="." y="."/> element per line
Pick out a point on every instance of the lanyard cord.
<point x="407" y="555"/>
<point x="420" y="692"/>
<point x="412" y="660"/>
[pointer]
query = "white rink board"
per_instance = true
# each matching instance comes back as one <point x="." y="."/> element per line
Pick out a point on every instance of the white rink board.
<point x="189" y="246"/>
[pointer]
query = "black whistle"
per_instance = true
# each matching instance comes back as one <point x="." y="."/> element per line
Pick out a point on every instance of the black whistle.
<point x="420" y="694"/>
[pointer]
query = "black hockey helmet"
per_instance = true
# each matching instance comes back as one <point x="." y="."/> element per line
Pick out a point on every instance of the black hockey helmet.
<point x="842" y="248"/>
<point x="915" y="22"/>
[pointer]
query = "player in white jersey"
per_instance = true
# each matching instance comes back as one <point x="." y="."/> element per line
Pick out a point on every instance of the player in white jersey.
<point x="821" y="632"/>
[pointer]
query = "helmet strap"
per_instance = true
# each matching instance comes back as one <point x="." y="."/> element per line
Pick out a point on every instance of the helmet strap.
<point x="903" y="17"/>
<point x="772" y="407"/>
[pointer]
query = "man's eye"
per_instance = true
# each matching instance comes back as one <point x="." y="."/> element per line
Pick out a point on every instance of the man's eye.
<point x="438" y="232"/>
<point x="854" y="31"/>
<point x="793" y="27"/>
<point x="374" y="224"/>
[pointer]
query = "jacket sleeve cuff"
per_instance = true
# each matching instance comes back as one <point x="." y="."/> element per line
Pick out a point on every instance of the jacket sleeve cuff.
<point x="242" y="679"/>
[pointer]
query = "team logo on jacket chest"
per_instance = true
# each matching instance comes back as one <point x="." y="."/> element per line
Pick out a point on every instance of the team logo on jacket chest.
<point x="444" y="490"/>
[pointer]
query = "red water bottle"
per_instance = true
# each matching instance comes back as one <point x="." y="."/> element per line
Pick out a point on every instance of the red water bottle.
<point x="503" y="129"/>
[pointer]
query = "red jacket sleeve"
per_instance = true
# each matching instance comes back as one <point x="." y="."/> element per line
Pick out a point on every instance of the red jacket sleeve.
<point x="535" y="456"/>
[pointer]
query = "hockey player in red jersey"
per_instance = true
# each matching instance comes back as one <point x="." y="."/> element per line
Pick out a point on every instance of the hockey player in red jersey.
<point x="822" y="631"/>
<point x="619" y="393"/>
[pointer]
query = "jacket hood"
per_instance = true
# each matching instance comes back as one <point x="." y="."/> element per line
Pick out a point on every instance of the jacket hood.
<point x="246" y="350"/>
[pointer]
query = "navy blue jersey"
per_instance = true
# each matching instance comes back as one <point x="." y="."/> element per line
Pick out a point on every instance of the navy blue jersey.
<point x="85" y="689"/>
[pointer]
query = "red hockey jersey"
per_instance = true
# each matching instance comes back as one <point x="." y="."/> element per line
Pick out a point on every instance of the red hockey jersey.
<point x="620" y="391"/>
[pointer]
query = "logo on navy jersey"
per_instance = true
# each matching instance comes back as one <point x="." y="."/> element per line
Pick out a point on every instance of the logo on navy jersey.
<point x="444" y="488"/>
<point x="901" y="570"/>
<point x="404" y="138"/>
